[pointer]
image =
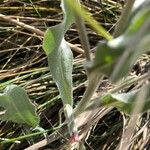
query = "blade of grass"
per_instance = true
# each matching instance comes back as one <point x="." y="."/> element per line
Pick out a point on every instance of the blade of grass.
<point x="90" y="20"/>
<point x="23" y="137"/>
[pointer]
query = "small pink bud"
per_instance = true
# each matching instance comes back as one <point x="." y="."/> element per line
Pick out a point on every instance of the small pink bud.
<point x="74" y="138"/>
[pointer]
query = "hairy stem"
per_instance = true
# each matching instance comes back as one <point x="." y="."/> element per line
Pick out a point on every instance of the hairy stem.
<point x="92" y="86"/>
<point x="83" y="35"/>
<point x="120" y="27"/>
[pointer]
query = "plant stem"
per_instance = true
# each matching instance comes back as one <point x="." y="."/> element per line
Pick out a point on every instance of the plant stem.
<point x="93" y="79"/>
<point x="83" y="35"/>
<point x="120" y="27"/>
<point x="91" y="88"/>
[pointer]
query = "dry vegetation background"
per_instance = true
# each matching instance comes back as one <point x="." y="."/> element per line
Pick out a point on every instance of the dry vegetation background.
<point x="23" y="62"/>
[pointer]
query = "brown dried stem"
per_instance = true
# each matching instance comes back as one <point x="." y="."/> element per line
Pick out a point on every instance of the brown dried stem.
<point x="36" y="31"/>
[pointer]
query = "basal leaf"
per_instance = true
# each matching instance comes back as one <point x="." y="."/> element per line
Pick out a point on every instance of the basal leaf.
<point x="126" y="101"/>
<point x="61" y="68"/>
<point x="60" y="57"/>
<point x="59" y="54"/>
<point x="17" y="106"/>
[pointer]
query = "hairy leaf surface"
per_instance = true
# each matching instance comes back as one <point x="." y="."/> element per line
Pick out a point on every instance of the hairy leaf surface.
<point x="126" y="101"/>
<point x="17" y="106"/>
<point x="61" y="68"/>
<point x="60" y="58"/>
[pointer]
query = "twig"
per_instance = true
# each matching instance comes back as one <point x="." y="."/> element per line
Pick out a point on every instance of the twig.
<point x="54" y="136"/>
<point x="36" y="31"/>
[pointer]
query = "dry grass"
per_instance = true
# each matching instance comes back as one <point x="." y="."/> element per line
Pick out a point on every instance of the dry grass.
<point x="23" y="62"/>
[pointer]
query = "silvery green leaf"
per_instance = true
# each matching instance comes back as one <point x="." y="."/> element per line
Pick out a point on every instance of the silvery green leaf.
<point x="18" y="107"/>
<point x="126" y="101"/>
<point x="59" y="54"/>
<point x="61" y="69"/>
<point x="60" y="57"/>
<point x="54" y="35"/>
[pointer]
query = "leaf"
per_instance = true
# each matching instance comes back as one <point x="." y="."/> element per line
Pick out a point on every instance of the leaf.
<point x="68" y="13"/>
<point x="105" y="58"/>
<point x="137" y="7"/>
<point x="52" y="38"/>
<point x="60" y="64"/>
<point x="60" y="58"/>
<point x="126" y="101"/>
<point x="115" y="58"/>
<point x="54" y="35"/>
<point x="18" y="107"/>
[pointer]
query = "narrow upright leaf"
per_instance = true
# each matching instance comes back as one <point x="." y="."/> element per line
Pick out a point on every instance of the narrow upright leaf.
<point x="52" y="38"/>
<point x="60" y="58"/>
<point x="17" y="106"/>
<point x="60" y="64"/>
